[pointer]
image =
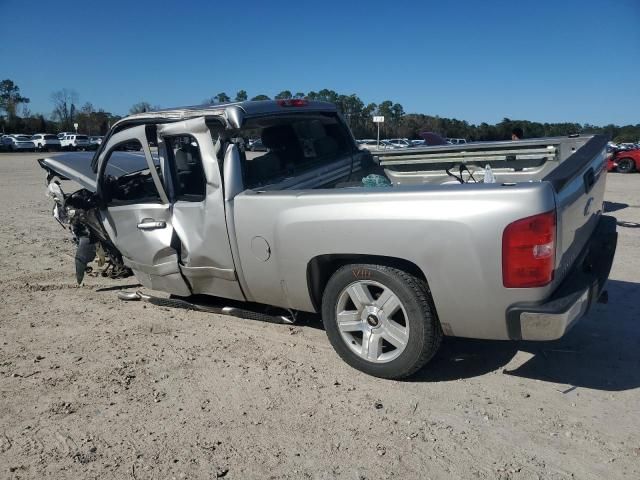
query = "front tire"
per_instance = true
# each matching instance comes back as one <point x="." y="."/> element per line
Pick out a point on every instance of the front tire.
<point x="625" y="165"/>
<point x="380" y="320"/>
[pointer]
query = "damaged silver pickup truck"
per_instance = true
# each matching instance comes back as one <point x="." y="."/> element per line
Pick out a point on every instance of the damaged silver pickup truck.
<point x="501" y="240"/>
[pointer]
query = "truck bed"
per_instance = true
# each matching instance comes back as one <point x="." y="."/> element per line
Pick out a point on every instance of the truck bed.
<point x="511" y="162"/>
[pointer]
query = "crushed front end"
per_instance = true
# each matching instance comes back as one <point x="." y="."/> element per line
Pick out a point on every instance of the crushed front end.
<point x="78" y="212"/>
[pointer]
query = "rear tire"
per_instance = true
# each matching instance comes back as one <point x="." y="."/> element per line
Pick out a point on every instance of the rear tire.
<point x="380" y="320"/>
<point x="625" y="165"/>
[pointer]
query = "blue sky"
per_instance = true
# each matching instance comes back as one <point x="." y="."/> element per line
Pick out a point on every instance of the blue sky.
<point x="473" y="60"/>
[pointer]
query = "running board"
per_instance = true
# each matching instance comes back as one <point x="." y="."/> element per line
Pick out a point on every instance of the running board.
<point x="233" y="311"/>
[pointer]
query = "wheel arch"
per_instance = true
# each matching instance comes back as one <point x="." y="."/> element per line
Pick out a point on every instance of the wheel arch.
<point x="320" y="269"/>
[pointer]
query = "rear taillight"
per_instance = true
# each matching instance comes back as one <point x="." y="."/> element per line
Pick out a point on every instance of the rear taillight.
<point x="293" y="102"/>
<point x="529" y="251"/>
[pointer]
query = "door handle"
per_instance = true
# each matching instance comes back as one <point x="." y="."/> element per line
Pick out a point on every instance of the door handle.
<point x="151" y="224"/>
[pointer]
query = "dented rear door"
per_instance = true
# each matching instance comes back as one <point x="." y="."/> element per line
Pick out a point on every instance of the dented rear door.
<point x="198" y="209"/>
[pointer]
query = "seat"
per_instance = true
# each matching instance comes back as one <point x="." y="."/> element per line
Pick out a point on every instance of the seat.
<point x="325" y="147"/>
<point x="284" y="150"/>
<point x="186" y="161"/>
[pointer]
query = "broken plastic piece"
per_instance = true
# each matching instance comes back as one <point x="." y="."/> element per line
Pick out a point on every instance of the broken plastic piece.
<point x="85" y="253"/>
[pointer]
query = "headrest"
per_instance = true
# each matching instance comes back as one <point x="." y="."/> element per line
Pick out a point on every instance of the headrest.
<point x="278" y="136"/>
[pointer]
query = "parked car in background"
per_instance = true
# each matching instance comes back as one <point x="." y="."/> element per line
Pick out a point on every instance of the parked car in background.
<point x="627" y="146"/>
<point x="61" y="135"/>
<point x="17" y="143"/>
<point x="418" y="143"/>
<point x="45" y="141"/>
<point x="399" y="142"/>
<point x="456" y="141"/>
<point x="75" y="142"/>
<point x="623" y="160"/>
<point x="373" y="145"/>
<point x="367" y="144"/>
<point x="95" y="141"/>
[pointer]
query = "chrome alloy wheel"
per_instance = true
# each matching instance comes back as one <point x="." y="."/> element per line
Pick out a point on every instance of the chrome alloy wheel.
<point x="372" y="321"/>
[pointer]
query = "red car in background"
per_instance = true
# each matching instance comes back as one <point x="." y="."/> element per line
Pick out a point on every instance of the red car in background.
<point x="624" y="161"/>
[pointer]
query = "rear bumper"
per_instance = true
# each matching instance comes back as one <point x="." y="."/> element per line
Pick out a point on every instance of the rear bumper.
<point x="552" y="318"/>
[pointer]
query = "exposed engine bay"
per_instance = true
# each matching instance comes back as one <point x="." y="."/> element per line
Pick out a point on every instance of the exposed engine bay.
<point x="78" y="212"/>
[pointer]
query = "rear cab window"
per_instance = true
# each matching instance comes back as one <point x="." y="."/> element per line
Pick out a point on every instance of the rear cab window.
<point x="290" y="145"/>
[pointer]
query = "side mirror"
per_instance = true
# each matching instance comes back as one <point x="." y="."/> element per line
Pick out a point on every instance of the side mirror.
<point x="232" y="173"/>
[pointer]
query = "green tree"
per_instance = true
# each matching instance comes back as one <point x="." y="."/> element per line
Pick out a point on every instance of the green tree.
<point x="397" y="112"/>
<point x="284" y="95"/>
<point x="10" y="97"/>
<point x="222" y="98"/>
<point x="261" y="97"/>
<point x="351" y="108"/>
<point x="326" y="95"/>
<point x="241" y="96"/>
<point x="384" y="109"/>
<point x="299" y="95"/>
<point x="89" y="120"/>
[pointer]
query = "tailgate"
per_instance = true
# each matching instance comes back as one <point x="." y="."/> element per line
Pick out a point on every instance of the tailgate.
<point x="579" y="184"/>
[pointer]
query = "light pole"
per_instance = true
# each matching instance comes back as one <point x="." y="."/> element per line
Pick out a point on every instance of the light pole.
<point x="378" y="119"/>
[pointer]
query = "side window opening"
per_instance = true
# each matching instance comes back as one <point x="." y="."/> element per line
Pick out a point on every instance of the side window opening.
<point x="189" y="181"/>
<point x="127" y="179"/>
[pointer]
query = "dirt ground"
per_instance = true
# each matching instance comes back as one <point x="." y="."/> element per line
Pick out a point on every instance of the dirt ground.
<point x="93" y="387"/>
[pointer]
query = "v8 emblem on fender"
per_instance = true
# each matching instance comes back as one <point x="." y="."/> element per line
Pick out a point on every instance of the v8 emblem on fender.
<point x="361" y="273"/>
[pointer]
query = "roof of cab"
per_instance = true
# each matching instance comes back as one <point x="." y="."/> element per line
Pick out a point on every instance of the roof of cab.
<point x="249" y="108"/>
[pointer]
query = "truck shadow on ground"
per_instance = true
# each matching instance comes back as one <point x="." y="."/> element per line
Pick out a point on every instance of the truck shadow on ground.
<point x="117" y="288"/>
<point x="601" y="352"/>
<point x="622" y="223"/>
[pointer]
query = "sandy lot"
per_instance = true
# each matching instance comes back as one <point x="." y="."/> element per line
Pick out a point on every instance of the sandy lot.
<point x="92" y="387"/>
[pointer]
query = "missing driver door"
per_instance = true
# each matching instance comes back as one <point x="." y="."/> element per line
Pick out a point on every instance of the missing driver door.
<point x="198" y="211"/>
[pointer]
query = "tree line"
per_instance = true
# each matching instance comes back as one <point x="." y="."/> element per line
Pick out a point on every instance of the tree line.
<point x="15" y="117"/>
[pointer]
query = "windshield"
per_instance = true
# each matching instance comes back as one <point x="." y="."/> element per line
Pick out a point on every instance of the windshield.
<point x="290" y="145"/>
<point x="23" y="138"/>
